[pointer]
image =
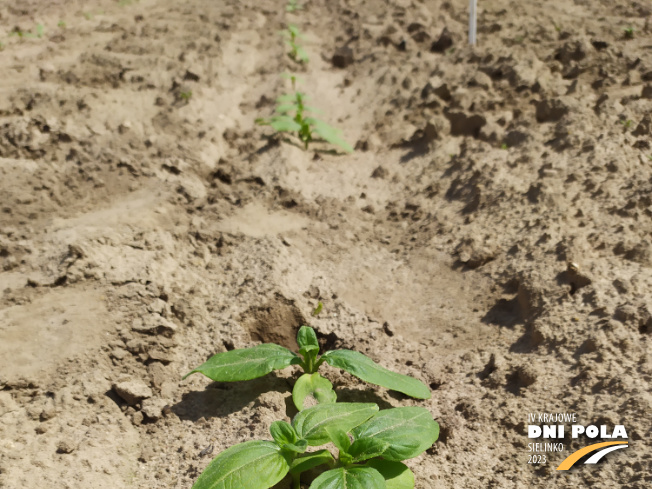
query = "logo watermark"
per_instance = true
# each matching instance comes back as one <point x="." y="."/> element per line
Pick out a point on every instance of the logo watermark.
<point x="550" y="429"/>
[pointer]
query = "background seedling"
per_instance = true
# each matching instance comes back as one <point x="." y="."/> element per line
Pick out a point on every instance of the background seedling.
<point x="292" y="117"/>
<point x="371" y="446"/>
<point x="293" y="6"/>
<point x="185" y="95"/>
<point x="28" y="34"/>
<point x="61" y="24"/>
<point x="294" y="79"/>
<point x="292" y="36"/>
<point x="251" y="363"/>
<point x="629" y="32"/>
<point x="318" y="308"/>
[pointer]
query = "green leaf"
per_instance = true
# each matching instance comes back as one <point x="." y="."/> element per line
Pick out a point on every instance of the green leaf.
<point x="312" y="387"/>
<point x="290" y="97"/>
<point x="309" y="350"/>
<point x="367" y="448"/>
<point x="408" y="431"/>
<point x="396" y="474"/>
<point x="302" y="55"/>
<point x="283" y="433"/>
<point x="299" y="447"/>
<point x="311" y="423"/>
<point x="349" y="478"/>
<point x="339" y="438"/>
<point x="366" y="369"/>
<point x="286" y="109"/>
<point x="284" y="124"/>
<point x="318" y="309"/>
<point x="253" y="464"/>
<point x="329" y="134"/>
<point x="290" y="76"/>
<point x="311" y="460"/>
<point x="246" y="364"/>
<point x="294" y="30"/>
<point x="285" y="436"/>
<point x="307" y="336"/>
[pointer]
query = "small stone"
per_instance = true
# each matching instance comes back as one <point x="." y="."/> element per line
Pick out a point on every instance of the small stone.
<point x="147" y="453"/>
<point x="423" y="136"/>
<point x="516" y="138"/>
<point x="313" y="292"/>
<point x="153" y="408"/>
<point x="389" y="331"/>
<point x="158" y="374"/>
<point x="380" y="172"/>
<point x="7" y="403"/>
<point x="647" y="91"/>
<point x="444" y="42"/>
<point x="286" y="241"/>
<point x="49" y="411"/>
<point x="160" y="355"/>
<point x="168" y="389"/>
<point x="66" y="445"/>
<point x="132" y="391"/>
<point x="525" y="375"/>
<point x="118" y="353"/>
<point x="137" y="418"/>
<point x="154" y="324"/>
<point x="644" y="128"/>
<point x="157" y="306"/>
<point x="343" y="57"/>
<point x="465" y="125"/>
<point x="190" y="76"/>
<point x="571" y="51"/>
<point x="550" y="110"/>
<point x="625" y="313"/>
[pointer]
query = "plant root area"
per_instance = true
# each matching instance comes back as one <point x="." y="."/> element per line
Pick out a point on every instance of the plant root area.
<point x="490" y="235"/>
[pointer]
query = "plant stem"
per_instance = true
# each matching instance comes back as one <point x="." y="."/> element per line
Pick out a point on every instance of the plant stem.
<point x="296" y="481"/>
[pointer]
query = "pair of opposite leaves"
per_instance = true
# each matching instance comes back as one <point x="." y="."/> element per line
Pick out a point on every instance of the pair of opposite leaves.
<point x="251" y="363"/>
<point x="393" y="434"/>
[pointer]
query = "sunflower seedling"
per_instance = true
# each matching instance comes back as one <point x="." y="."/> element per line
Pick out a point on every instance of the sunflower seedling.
<point x="292" y="36"/>
<point x="311" y="387"/>
<point x="372" y="445"/>
<point x="28" y="34"/>
<point x="293" y="6"/>
<point x="292" y="117"/>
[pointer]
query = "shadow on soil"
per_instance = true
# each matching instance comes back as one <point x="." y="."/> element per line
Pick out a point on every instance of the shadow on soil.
<point x="220" y="399"/>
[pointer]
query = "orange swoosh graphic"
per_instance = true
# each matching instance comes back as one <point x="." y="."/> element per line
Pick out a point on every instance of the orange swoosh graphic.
<point x="574" y="457"/>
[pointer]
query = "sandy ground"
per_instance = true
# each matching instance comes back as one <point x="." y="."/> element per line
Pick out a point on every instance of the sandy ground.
<point x="491" y="235"/>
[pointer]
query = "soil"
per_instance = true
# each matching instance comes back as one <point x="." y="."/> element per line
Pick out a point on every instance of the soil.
<point x="490" y="235"/>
